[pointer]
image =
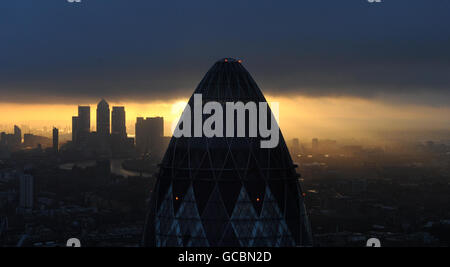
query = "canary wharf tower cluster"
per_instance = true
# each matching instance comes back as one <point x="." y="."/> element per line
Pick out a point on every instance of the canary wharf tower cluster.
<point x="227" y="191"/>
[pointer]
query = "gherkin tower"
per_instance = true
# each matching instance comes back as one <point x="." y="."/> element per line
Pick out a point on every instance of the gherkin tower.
<point x="227" y="191"/>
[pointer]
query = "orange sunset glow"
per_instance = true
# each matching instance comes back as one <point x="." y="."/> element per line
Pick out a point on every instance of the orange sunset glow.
<point x="299" y="116"/>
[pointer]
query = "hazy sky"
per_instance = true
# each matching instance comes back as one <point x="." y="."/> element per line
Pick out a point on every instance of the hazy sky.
<point x="335" y="57"/>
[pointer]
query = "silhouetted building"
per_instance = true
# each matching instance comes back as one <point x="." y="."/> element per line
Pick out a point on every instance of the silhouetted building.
<point x="28" y="140"/>
<point x="17" y="134"/>
<point x="118" y="122"/>
<point x="13" y="141"/>
<point x="84" y="115"/>
<point x="33" y="141"/>
<point x="224" y="191"/>
<point x="75" y="130"/>
<point x="81" y="125"/>
<point x="149" y="134"/>
<point x="103" y="118"/>
<point x="55" y="139"/>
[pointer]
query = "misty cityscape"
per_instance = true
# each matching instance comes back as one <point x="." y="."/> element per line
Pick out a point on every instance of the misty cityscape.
<point x="94" y="185"/>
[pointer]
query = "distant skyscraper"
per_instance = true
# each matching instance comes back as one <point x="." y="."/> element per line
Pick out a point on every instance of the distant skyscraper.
<point x="17" y="134"/>
<point x="75" y="129"/>
<point x="26" y="191"/>
<point x="149" y="134"/>
<point x="14" y="140"/>
<point x="103" y="118"/>
<point x="84" y="115"/>
<point x="55" y="139"/>
<point x="118" y="121"/>
<point x="223" y="191"/>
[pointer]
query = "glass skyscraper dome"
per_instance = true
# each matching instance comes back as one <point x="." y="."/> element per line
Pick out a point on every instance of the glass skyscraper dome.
<point x="224" y="191"/>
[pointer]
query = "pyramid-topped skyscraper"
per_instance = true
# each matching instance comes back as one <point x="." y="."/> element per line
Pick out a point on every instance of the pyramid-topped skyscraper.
<point x="227" y="191"/>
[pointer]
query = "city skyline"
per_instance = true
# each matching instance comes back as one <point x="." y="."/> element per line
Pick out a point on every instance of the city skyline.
<point x="341" y="75"/>
<point x="323" y="118"/>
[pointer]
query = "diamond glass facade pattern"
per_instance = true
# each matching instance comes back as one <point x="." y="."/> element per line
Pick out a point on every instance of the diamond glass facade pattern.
<point x="225" y="191"/>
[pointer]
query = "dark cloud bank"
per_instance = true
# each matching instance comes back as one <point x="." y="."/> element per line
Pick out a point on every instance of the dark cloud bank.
<point x="54" y="51"/>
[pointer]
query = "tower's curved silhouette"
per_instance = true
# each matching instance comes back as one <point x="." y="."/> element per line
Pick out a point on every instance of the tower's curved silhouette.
<point x="226" y="191"/>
